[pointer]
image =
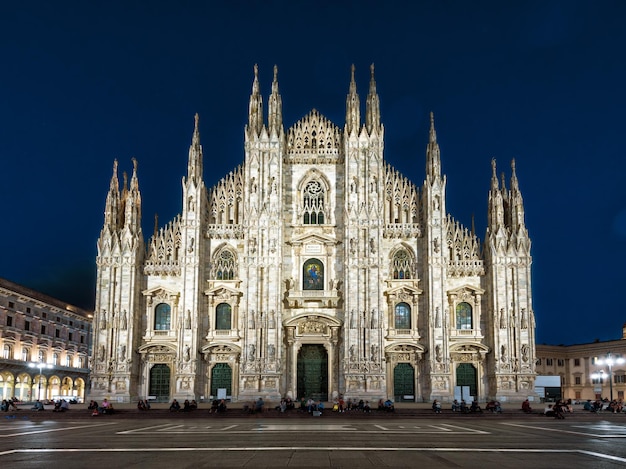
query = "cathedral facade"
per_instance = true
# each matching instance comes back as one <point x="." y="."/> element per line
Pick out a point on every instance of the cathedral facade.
<point x="313" y="269"/>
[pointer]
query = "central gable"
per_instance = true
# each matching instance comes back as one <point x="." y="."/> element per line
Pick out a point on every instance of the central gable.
<point x="314" y="137"/>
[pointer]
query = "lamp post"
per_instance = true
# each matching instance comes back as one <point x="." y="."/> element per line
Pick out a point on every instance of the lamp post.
<point x="41" y="366"/>
<point x="609" y="361"/>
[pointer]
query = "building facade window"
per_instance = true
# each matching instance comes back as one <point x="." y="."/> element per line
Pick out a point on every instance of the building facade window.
<point x="313" y="204"/>
<point x="27" y="325"/>
<point x="7" y="352"/>
<point x="402" y="265"/>
<point x="41" y="356"/>
<point x="464" y="316"/>
<point x="577" y="380"/>
<point x="223" y="317"/>
<point x="9" y="321"/>
<point x="55" y="359"/>
<point x="560" y="362"/>
<point x="25" y="354"/>
<point x="402" y="316"/>
<point x="225" y="266"/>
<point x="549" y="362"/>
<point x="576" y="361"/>
<point x="162" y="317"/>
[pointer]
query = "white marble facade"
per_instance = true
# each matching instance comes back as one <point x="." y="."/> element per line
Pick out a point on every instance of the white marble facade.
<point x="313" y="268"/>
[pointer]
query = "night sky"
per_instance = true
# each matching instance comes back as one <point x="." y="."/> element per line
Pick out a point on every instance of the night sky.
<point x="83" y="83"/>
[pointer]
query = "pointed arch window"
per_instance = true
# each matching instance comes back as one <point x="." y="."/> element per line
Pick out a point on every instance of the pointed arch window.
<point x="162" y="317"/>
<point x="313" y="275"/>
<point x="402" y="316"/>
<point x="225" y="265"/>
<point x="464" y="316"/>
<point x="313" y="197"/>
<point x="401" y="265"/>
<point x="223" y="315"/>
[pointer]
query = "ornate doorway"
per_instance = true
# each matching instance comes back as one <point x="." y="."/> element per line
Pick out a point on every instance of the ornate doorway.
<point x="160" y="382"/>
<point x="466" y="376"/>
<point x="313" y="372"/>
<point x="221" y="378"/>
<point x="403" y="382"/>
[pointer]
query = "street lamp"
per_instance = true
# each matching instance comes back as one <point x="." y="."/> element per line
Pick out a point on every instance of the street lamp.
<point x="41" y="366"/>
<point x="609" y="361"/>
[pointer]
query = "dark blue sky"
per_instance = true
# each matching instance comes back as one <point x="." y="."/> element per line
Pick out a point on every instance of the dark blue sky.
<point x="83" y="83"/>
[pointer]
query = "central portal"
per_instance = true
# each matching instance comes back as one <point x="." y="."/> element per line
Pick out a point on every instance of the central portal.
<point x="313" y="372"/>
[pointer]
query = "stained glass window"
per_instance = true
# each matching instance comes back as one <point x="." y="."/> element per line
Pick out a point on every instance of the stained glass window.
<point x="464" y="316"/>
<point x="162" y="317"/>
<point x="223" y="317"/>
<point x="403" y="316"/>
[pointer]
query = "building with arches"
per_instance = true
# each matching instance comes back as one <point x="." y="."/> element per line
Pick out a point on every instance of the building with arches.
<point x="314" y="268"/>
<point x="40" y="330"/>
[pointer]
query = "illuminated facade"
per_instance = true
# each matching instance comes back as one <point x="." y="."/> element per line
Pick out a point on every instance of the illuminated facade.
<point x="314" y="268"/>
<point x="42" y="334"/>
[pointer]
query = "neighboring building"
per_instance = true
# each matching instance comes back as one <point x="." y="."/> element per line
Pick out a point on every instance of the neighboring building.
<point x="576" y="364"/>
<point x="41" y="333"/>
<point x="314" y="268"/>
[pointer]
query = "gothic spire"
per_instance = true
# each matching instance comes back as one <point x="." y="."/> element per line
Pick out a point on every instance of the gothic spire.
<point x="433" y="157"/>
<point x="255" y="108"/>
<point x="111" y="214"/>
<point x="496" y="203"/>
<point x="275" y="106"/>
<point x="132" y="202"/>
<point x="353" y="113"/>
<point x="194" y="165"/>
<point x="372" y="111"/>
<point x="516" y="202"/>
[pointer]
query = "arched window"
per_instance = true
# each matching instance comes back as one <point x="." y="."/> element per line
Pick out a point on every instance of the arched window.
<point x="313" y="275"/>
<point x="401" y="265"/>
<point x="41" y="356"/>
<point x="402" y="317"/>
<point x="464" y="316"/>
<point x="313" y="203"/>
<point x="225" y="265"/>
<point x="7" y="352"/>
<point x="223" y="317"/>
<point x="68" y="360"/>
<point x="25" y="354"/>
<point x="162" y="317"/>
<point x="55" y="359"/>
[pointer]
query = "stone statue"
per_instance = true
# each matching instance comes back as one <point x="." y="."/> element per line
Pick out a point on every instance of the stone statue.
<point x="187" y="353"/>
<point x="124" y="321"/>
<point x="103" y="319"/>
<point x="121" y="353"/>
